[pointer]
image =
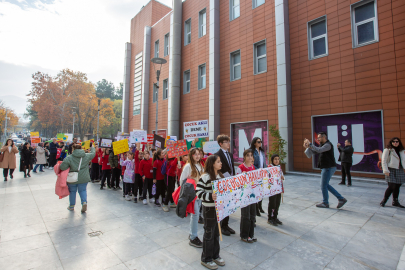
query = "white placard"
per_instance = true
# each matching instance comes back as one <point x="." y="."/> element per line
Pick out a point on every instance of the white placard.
<point x="211" y="147"/>
<point x="138" y="136"/>
<point x="196" y="129"/>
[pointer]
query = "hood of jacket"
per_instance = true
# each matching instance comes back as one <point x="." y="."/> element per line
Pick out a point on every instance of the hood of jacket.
<point x="79" y="153"/>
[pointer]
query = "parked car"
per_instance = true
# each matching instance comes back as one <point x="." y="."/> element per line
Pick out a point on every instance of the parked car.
<point x="18" y="142"/>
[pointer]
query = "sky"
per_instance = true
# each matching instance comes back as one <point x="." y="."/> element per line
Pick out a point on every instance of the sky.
<point x="50" y="35"/>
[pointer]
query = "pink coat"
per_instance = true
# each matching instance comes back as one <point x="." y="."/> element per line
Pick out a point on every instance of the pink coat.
<point x="61" y="188"/>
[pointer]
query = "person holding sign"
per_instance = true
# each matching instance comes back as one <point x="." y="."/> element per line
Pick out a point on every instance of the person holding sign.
<point x="275" y="200"/>
<point x="210" y="256"/>
<point x="259" y="163"/>
<point x="146" y="171"/>
<point x="158" y="176"/>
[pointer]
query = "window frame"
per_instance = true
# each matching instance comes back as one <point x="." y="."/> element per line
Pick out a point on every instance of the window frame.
<point x="166" y="45"/>
<point x="255" y="59"/>
<point x="200" y="79"/>
<point x="231" y="10"/>
<point x="156" y="52"/>
<point x="185" y="82"/>
<point x="188" y="21"/>
<point x="232" y="71"/>
<point x="254" y="4"/>
<point x="200" y="25"/>
<point x="354" y="25"/>
<point x="165" y="89"/>
<point x="310" y="39"/>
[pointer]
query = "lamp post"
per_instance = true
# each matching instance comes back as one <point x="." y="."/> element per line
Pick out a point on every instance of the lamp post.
<point x="98" y="116"/>
<point x="156" y="62"/>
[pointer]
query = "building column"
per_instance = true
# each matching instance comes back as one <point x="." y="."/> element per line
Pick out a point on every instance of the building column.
<point x="214" y="72"/>
<point x="145" y="78"/>
<point x="173" y="113"/>
<point x="284" y="79"/>
<point x="125" y="94"/>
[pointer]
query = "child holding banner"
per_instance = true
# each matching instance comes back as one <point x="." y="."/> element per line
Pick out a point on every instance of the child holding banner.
<point x="248" y="213"/>
<point x="158" y="176"/>
<point x="146" y="171"/>
<point x="274" y="201"/>
<point x="210" y="256"/>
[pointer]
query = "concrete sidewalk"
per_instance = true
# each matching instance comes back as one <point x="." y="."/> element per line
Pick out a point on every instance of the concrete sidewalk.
<point x="37" y="232"/>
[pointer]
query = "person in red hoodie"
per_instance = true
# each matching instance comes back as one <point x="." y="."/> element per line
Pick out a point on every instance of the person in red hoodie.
<point x="158" y="176"/>
<point x="106" y="168"/>
<point x="138" y="178"/>
<point x="146" y="172"/>
<point x="95" y="168"/>
<point x="180" y="165"/>
<point x="171" y="182"/>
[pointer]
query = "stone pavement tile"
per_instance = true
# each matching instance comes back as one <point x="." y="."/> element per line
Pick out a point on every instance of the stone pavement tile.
<point x="62" y="224"/>
<point x="78" y="233"/>
<point x="285" y="261"/>
<point x="343" y="229"/>
<point x="108" y="225"/>
<point x="305" y="219"/>
<point x="351" y="217"/>
<point x="24" y="244"/>
<point x="301" y="202"/>
<point x="377" y="249"/>
<point x="292" y="228"/>
<point x="386" y="224"/>
<point x="30" y="259"/>
<point x="168" y="237"/>
<point x="116" y="236"/>
<point x="138" y="218"/>
<point x="120" y="266"/>
<point x="310" y="252"/>
<point x="151" y="226"/>
<point x="21" y="232"/>
<point x="56" y="265"/>
<point x="328" y="240"/>
<point x="157" y="260"/>
<point x="401" y="265"/>
<point x="130" y="248"/>
<point x="232" y="262"/>
<point x="341" y="262"/>
<point x="287" y="210"/>
<point x="174" y="220"/>
<point x="21" y="222"/>
<point x="272" y="237"/>
<point x="185" y="252"/>
<point x="63" y="213"/>
<point x="97" y="259"/>
<point x="95" y="217"/>
<point x="74" y="247"/>
<point x="253" y="253"/>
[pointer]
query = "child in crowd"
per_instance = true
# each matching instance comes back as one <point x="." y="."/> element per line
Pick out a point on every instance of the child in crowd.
<point x="106" y="168"/>
<point x="146" y="171"/>
<point x="158" y="176"/>
<point x="202" y="159"/>
<point x="171" y="182"/>
<point x="210" y="256"/>
<point x="138" y="178"/>
<point x="180" y="164"/>
<point x="274" y="201"/>
<point x="129" y="173"/>
<point x="115" y="171"/>
<point x="248" y="213"/>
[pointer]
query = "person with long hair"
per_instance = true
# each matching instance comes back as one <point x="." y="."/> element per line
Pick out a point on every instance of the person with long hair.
<point x="41" y="158"/>
<point x="275" y="200"/>
<point x="393" y="163"/>
<point x="171" y="183"/>
<point x="212" y="171"/>
<point x="9" y="162"/>
<point x="146" y="171"/>
<point x="193" y="170"/>
<point x="158" y="177"/>
<point x="259" y="157"/>
<point x="27" y="156"/>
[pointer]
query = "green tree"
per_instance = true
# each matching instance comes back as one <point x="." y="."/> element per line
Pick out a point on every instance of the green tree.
<point x="105" y="89"/>
<point x="119" y="91"/>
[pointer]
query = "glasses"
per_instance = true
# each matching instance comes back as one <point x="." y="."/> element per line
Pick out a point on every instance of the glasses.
<point x="258" y="142"/>
<point x="395" y="141"/>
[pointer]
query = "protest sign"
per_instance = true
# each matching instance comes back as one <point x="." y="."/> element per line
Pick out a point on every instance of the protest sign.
<point x="86" y="144"/>
<point x="35" y="140"/>
<point x="244" y="189"/>
<point x="61" y="136"/>
<point x="196" y="129"/>
<point x="120" y="147"/>
<point x="105" y="143"/>
<point x="69" y="137"/>
<point x="176" y="148"/>
<point x="149" y="139"/>
<point x="158" y="141"/>
<point x="211" y="147"/>
<point x="138" y="136"/>
<point x="34" y="134"/>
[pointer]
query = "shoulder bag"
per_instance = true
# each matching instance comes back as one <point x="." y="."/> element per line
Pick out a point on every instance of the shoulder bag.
<point x="73" y="177"/>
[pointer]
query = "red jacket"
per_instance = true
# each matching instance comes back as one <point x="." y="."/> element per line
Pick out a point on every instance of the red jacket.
<point x="176" y="196"/>
<point x="99" y="153"/>
<point x="105" y="165"/>
<point x="146" y="168"/>
<point x="171" y="167"/>
<point x="158" y="165"/>
<point x="179" y="171"/>
<point x="61" y="188"/>
<point x="243" y="168"/>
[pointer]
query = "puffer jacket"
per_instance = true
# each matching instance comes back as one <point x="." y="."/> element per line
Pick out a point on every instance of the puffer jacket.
<point x="73" y="160"/>
<point x="390" y="159"/>
<point x="113" y="160"/>
<point x="185" y="197"/>
<point x="61" y="188"/>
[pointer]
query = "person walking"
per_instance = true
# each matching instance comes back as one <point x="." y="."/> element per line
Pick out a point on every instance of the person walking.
<point x="70" y="149"/>
<point x="259" y="163"/>
<point x="41" y="158"/>
<point x="9" y="162"/>
<point x="393" y="163"/>
<point x="346" y="158"/>
<point x="27" y="156"/>
<point x="53" y="151"/>
<point x="327" y="164"/>
<point x="46" y="147"/>
<point x="78" y="161"/>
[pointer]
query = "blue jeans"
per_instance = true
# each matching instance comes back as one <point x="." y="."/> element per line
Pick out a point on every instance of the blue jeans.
<point x="326" y="175"/>
<point x="194" y="220"/>
<point x="73" y="188"/>
<point x="41" y="167"/>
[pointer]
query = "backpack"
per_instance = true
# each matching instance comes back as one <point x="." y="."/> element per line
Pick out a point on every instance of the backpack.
<point x="164" y="168"/>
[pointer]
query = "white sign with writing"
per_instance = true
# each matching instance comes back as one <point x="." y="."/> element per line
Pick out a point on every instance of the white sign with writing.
<point x="211" y="147"/>
<point x="196" y="129"/>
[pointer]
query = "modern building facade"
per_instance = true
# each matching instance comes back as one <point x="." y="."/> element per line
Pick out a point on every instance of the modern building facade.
<point x="303" y="65"/>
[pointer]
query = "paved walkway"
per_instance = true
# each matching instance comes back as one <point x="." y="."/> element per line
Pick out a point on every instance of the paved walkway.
<point x="37" y="232"/>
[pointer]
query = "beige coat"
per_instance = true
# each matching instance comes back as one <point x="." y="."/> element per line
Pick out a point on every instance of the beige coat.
<point x="9" y="159"/>
<point x="41" y="159"/>
<point x="390" y="159"/>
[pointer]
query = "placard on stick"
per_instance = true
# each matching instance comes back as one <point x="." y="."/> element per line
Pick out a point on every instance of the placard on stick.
<point x="105" y="142"/>
<point x="176" y="148"/>
<point x="120" y="147"/>
<point x="158" y="141"/>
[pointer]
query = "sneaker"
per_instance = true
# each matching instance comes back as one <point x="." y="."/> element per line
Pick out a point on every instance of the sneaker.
<point x="225" y="232"/>
<point x="247" y="240"/>
<point x="173" y="205"/>
<point x="71" y="207"/>
<point x="254" y="239"/>
<point x="34" y="171"/>
<point x="157" y="203"/>
<point x="127" y="198"/>
<point x="152" y="200"/>
<point x="11" y="176"/>
<point x="349" y="185"/>
<point x="196" y="242"/>
<point x="145" y="201"/>
<point x="84" y="207"/>
<point x="219" y="261"/>
<point x="341" y="203"/>
<point x="210" y="265"/>
<point x="322" y="205"/>
<point x="42" y="171"/>
<point x="165" y="208"/>
<point x="135" y="200"/>
<point x="278" y="221"/>
<point x="341" y="183"/>
<point x="230" y="230"/>
<point x="272" y="222"/>
<point x="101" y="187"/>
<point x="109" y="187"/>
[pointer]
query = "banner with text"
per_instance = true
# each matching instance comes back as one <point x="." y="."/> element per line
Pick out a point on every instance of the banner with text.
<point x="196" y="129"/>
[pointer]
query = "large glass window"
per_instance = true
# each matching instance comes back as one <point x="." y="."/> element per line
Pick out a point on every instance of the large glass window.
<point x="364" y="23"/>
<point x="202" y="23"/>
<point x="234" y="9"/>
<point x="260" y="57"/>
<point x="317" y="38"/>
<point x="187" y="32"/>
<point x="235" y="66"/>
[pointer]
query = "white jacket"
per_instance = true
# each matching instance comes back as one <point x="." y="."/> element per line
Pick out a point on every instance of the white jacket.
<point x="390" y="159"/>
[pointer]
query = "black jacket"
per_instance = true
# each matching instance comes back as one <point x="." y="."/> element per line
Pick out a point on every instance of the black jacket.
<point x="225" y="165"/>
<point x="346" y="154"/>
<point x="327" y="159"/>
<point x="187" y="195"/>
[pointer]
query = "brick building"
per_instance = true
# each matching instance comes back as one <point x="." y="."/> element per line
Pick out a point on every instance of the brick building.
<point x="305" y="65"/>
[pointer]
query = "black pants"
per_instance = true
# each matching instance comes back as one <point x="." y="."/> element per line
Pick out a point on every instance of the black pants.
<point x="147" y="188"/>
<point x="52" y="159"/>
<point x="394" y="189"/>
<point x="128" y="188"/>
<point x="171" y="182"/>
<point x="346" y="171"/>
<point x="5" y="172"/>
<point x="274" y="205"/>
<point x="160" y="190"/>
<point x="106" y="175"/>
<point x="247" y="221"/>
<point x="211" y="235"/>
<point x="115" y="177"/>
<point x="138" y="185"/>
<point x="95" y="171"/>
<point x="225" y="222"/>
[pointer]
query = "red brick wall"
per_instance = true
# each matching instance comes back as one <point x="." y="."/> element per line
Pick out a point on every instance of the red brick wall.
<point x="371" y="77"/>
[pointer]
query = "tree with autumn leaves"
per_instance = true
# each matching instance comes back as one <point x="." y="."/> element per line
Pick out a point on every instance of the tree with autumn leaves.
<point x="54" y="101"/>
<point x="12" y="117"/>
